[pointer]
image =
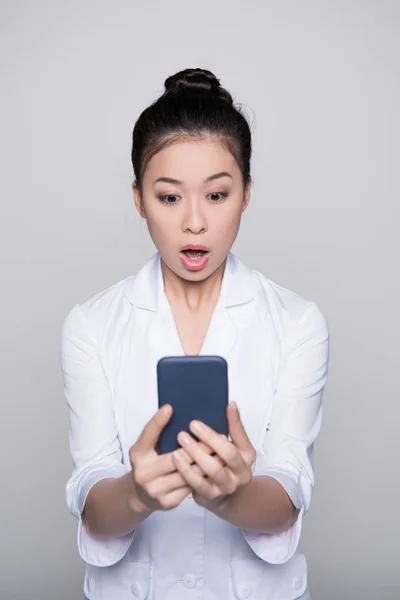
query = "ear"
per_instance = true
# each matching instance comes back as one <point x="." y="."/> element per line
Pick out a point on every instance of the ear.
<point x="246" y="197"/>
<point x="138" y="200"/>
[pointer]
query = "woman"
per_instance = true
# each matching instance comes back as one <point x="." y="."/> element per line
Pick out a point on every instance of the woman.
<point x="220" y="518"/>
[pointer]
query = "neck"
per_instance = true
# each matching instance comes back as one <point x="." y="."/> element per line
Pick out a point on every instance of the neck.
<point x="193" y="294"/>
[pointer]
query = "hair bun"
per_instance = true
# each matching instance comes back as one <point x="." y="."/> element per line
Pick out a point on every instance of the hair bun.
<point x="196" y="82"/>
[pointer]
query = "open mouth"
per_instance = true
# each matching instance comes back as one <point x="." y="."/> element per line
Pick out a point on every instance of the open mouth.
<point x="194" y="259"/>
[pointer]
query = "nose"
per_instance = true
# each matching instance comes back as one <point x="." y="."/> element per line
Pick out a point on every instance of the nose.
<point x="194" y="220"/>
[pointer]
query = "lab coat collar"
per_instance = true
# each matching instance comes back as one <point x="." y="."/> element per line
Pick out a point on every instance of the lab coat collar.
<point x="239" y="284"/>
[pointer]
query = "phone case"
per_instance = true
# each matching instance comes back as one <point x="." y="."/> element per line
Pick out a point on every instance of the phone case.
<point x="197" y="388"/>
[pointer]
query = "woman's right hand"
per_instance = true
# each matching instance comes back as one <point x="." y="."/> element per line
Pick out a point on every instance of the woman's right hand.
<point x="158" y="485"/>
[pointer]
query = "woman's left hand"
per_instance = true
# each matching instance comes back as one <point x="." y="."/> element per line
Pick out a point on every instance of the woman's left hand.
<point x="221" y="474"/>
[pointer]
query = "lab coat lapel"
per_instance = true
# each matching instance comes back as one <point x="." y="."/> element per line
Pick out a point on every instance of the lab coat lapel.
<point x="163" y="335"/>
<point x="146" y="292"/>
<point x="239" y="286"/>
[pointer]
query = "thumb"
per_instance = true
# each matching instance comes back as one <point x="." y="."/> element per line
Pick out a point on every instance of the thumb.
<point x="151" y="432"/>
<point x="236" y="429"/>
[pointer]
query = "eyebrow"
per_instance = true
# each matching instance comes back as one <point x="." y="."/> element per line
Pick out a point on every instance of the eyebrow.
<point x="178" y="182"/>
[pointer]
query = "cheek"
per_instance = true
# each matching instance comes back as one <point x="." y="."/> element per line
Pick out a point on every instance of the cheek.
<point x="157" y="229"/>
<point x="161" y="225"/>
<point x="228" y="221"/>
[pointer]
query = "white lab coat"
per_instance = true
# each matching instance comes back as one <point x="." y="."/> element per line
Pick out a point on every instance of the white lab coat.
<point x="276" y="344"/>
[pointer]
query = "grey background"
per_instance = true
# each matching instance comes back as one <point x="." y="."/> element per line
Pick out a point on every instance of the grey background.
<point x="321" y="83"/>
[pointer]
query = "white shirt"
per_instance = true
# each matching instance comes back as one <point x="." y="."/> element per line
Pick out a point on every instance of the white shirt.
<point x="276" y="345"/>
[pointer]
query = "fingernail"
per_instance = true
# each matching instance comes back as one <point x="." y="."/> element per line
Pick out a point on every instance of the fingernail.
<point x="235" y="406"/>
<point x="177" y="456"/>
<point x="197" y="426"/>
<point x="185" y="438"/>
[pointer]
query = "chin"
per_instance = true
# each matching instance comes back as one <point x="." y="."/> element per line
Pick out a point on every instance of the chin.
<point x="194" y="275"/>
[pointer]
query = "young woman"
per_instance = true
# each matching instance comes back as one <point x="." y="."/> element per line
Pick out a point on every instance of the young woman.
<point x="220" y="518"/>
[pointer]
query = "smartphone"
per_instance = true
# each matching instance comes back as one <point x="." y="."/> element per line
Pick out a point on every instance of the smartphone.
<point x="197" y="388"/>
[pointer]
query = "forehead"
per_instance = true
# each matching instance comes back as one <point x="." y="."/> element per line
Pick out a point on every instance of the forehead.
<point x="192" y="160"/>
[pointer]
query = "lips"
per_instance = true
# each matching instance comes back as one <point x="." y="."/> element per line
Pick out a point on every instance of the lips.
<point x="194" y="256"/>
<point x="193" y="247"/>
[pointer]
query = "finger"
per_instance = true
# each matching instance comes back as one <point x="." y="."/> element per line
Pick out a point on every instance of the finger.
<point x="188" y="459"/>
<point x="206" y="448"/>
<point x="236" y="430"/>
<point x="207" y="463"/>
<point x="154" y="467"/>
<point x="226" y="451"/>
<point x="163" y="464"/>
<point x="152" y="430"/>
<point x="164" y="485"/>
<point x="196" y="481"/>
<point x="174" y="498"/>
<point x="185" y="457"/>
<point x="151" y="467"/>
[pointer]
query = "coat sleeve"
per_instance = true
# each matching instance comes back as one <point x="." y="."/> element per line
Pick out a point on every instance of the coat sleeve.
<point x="287" y="450"/>
<point x="93" y="438"/>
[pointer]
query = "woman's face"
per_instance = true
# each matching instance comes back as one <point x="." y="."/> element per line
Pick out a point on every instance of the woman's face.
<point x="193" y="196"/>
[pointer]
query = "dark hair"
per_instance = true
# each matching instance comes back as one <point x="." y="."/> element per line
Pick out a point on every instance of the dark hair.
<point x="193" y="104"/>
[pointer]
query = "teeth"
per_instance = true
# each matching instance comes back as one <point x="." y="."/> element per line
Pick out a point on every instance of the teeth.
<point x="194" y="254"/>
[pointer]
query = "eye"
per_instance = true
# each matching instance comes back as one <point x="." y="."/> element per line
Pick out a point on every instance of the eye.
<point x="217" y="196"/>
<point x="169" y="199"/>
